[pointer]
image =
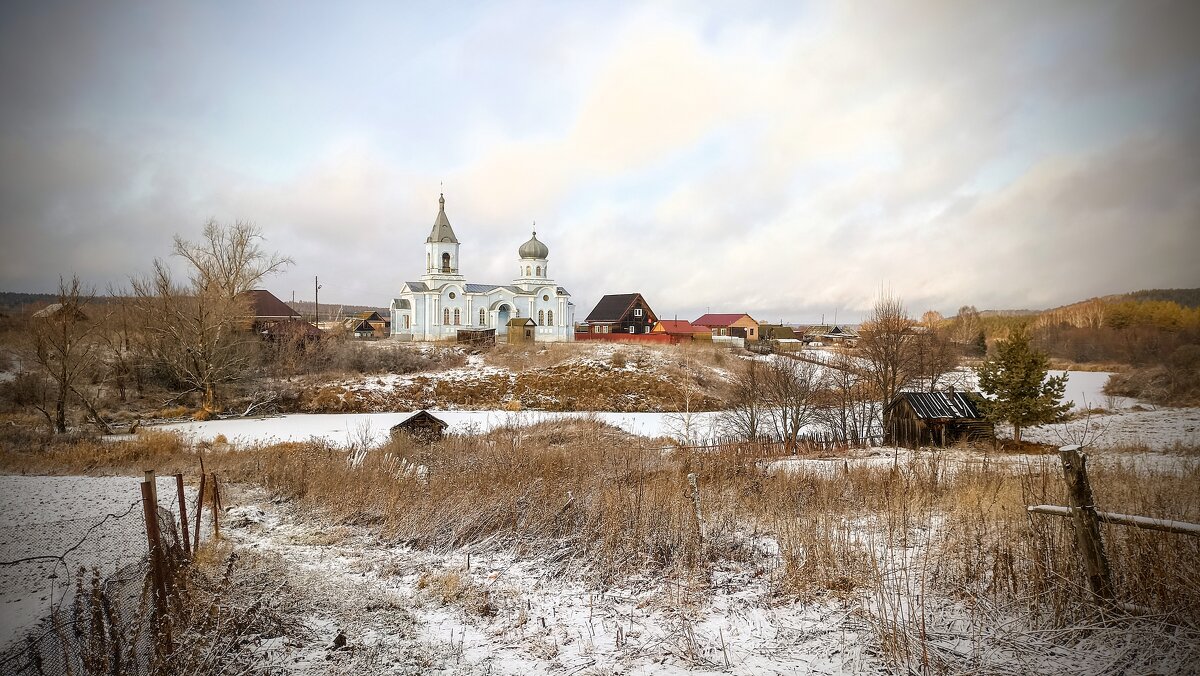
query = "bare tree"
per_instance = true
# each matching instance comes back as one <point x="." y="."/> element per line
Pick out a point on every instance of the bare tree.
<point x="886" y="347"/>
<point x="934" y="354"/>
<point x="745" y="416"/>
<point x="62" y="342"/>
<point x="200" y="331"/>
<point x="850" y="410"/>
<point x="791" y="388"/>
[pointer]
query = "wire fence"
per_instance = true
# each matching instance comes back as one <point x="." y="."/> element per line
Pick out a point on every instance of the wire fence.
<point x="90" y="603"/>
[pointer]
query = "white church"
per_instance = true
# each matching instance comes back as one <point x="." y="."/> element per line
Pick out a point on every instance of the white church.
<point x="442" y="302"/>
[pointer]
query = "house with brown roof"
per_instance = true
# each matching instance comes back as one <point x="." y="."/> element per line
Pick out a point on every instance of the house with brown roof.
<point x="626" y="313"/>
<point x="679" y="330"/>
<point x="738" y="325"/>
<point x="266" y="312"/>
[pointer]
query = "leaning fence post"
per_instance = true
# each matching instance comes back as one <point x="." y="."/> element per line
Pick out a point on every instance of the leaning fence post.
<point x="150" y="510"/>
<point x="183" y="522"/>
<point x="216" y="507"/>
<point x="199" y="512"/>
<point x="1087" y="526"/>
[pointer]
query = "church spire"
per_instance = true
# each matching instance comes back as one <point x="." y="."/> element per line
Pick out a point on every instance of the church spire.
<point x="442" y="232"/>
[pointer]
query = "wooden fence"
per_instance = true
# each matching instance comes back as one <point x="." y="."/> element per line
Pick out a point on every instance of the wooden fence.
<point x="1087" y="520"/>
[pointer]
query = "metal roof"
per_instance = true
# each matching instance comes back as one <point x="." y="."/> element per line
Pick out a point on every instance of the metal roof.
<point x="417" y="286"/>
<point x="442" y="232"/>
<point x="927" y="405"/>
<point x="718" y="319"/>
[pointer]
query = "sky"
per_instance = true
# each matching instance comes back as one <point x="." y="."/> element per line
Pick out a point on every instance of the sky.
<point x="792" y="160"/>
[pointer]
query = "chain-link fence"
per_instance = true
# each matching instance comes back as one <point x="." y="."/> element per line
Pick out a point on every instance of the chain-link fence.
<point x="108" y="613"/>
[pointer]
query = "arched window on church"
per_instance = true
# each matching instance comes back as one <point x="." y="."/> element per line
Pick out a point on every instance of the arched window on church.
<point x="456" y="317"/>
<point x="482" y="317"/>
<point x="406" y="325"/>
<point x="526" y="270"/>
<point x="550" y="317"/>
<point x="541" y="318"/>
<point x="446" y="316"/>
<point x="445" y="262"/>
<point x="539" y="271"/>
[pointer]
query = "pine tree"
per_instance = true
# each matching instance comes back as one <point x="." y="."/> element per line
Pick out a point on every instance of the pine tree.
<point x="1020" y="393"/>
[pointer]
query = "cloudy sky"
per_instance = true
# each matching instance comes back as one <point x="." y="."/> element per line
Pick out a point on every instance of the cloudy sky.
<point x="787" y="159"/>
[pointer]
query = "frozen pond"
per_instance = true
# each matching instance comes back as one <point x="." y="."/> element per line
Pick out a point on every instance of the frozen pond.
<point x="345" y="429"/>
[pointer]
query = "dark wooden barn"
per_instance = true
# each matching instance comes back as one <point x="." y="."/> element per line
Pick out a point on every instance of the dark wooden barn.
<point x="422" y="425"/>
<point x="915" y="419"/>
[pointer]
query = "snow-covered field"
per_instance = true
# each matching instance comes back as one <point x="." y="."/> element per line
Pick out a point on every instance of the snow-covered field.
<point x="538" y="621"/>
<point x="53" y="516"/>
<point x="351" y="428"/>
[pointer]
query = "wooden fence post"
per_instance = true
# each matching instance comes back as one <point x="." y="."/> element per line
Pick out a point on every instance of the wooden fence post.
<point x="199" y="512"/>
<point x="183" y="520"/>
<point x="1087" y="526"/>
<point x="216" y="507"/>
<point x="157" y="569"/>
<point x="150" y="479"/>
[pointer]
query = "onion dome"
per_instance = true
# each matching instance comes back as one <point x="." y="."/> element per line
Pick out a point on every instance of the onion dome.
<point x="534" y="248"/>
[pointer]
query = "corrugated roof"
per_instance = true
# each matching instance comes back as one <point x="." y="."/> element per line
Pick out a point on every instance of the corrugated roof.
<point x="927" y="405"/>
<point x="417" y="286"/>
<point x="719" y="319"/>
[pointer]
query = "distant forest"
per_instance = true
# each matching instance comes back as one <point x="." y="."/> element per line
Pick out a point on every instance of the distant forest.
<point x="12" y="302"/>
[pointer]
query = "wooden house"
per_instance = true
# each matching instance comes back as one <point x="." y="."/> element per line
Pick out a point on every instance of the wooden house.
<point x="679" y="330"/>
<point x="381" y="325"/>
<point x="915" y="419"/>
<point x="422" y="426"/>
<point x="729" y="324"/>
<point x="520" y="330"/>
<point x="830" y="334"/>
<point x="626" y="313"/>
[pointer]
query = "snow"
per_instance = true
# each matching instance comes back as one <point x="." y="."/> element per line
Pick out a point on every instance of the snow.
<point x="47" y="516"/>
<point x="348" y="429"/>
<point x="541" y="621"/>
<point x="1157" y="429"/>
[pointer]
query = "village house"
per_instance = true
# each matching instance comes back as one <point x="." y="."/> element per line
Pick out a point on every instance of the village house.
<point x="830" y="334"/>
<point x="441" y="303"/>
<point x="680" y="330"/>
<point x="620" y="313"/>
<point x="422" y="426"/>
<point x="915" y="419"/>
<point x="729" y="324"/>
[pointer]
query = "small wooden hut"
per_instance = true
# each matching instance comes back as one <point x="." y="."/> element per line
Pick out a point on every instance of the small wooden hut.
<point x="422" y="426"/>
<point x="520" y="330"/>
<point x="915" y="419"/>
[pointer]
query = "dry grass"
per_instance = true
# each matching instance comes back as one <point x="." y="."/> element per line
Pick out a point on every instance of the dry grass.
<point x="593" y="503"/>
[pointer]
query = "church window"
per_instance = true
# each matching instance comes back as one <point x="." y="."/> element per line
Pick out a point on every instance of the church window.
<point x="544" y="297"/>
<point x="526" y="270"/>
<point x="406" y="321"/>
<point x="452" y="295"/>
<point x="541" y="317"/>
<point x="445" y="262"/>
<point x="483" y="317"/>
<point x="539" y="271"/>
<point x="446" y="316"/>
<point x="456" y="317"/>
<point x="550" y="317"/>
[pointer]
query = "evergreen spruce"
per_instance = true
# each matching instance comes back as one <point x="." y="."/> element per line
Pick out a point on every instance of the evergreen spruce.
<point x="1019" y="392"/>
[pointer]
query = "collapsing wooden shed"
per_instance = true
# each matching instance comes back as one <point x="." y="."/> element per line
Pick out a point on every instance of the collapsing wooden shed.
<point x="422" y="425"/>
<point x="915" y="419"/>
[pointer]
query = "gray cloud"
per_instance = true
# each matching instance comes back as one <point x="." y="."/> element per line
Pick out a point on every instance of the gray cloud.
<point x="1000" y="154"/>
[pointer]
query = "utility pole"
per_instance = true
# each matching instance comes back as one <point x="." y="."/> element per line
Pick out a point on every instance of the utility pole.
<point x="317" y="301"/>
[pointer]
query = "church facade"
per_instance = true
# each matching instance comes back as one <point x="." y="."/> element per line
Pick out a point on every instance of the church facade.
<point x="442" y="302"/>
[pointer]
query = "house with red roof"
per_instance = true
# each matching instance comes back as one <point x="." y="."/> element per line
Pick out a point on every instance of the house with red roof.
<point x="738" y="325"/>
